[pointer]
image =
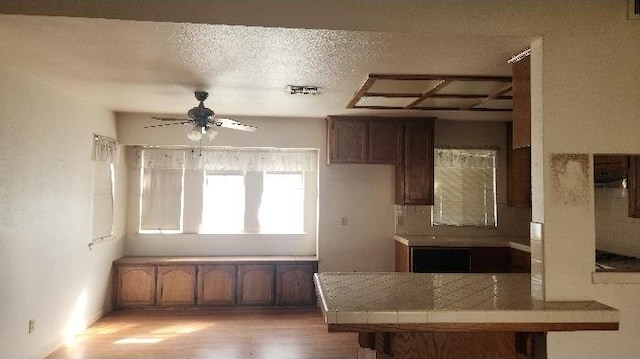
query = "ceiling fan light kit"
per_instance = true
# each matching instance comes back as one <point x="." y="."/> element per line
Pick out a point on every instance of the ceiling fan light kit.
<point x="203" y="119"/>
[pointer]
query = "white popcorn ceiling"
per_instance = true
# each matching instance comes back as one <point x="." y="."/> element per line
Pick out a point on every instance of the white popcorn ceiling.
<point x="133" y="66"/>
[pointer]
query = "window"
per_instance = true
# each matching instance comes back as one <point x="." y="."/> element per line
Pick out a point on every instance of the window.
<point x="104" y="158"/>
<point x="465" y="187"/>
<point x="228" y="191"/>
<point x="282" y="204"/>
<point x="223" y="202"/>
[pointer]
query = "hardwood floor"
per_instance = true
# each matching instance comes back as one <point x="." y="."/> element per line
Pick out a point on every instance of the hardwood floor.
<point x="264" y="334"/>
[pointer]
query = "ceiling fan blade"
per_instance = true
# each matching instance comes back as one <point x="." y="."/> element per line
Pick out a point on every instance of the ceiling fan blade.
<point x="233" y="124"/>
<point x="168" y="124"/>
<point x="169" y="119"/>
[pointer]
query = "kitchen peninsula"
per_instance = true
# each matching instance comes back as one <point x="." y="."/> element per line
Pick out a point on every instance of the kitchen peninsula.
<point x="427" y="315"/>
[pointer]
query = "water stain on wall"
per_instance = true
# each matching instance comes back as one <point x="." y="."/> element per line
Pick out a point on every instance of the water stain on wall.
<point x="570" y="178"/>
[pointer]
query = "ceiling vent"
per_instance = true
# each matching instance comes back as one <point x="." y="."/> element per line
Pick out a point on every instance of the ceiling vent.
<point x="633" y="9"/>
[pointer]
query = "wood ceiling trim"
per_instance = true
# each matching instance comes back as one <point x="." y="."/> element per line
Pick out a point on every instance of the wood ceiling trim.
<point x="492" y="96"/>
<point x="441" y="82"/>
<point x="437" y="87"/>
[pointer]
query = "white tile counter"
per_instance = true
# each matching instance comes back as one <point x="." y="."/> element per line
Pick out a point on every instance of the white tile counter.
<point x="427" y="298"/>
<point x="463" y="241"/>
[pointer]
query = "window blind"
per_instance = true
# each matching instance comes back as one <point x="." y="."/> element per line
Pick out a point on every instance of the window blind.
<point x="465" y="187"/>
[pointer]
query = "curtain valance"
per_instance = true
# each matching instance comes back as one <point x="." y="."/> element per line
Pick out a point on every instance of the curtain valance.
<point x="225" y="159"/>
<point x="104" y="149"/>
<point x="461" y="158"/>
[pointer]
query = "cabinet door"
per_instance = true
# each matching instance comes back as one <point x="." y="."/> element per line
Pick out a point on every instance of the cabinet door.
<point x="518" y="174"/>
<point x="403" y="258"/>
<point x="521" y="103"/>
<point x="295" y="284"/>
<point x="520" y="261"/>
<point x="418" y="163"/>
<point x="347" y="140"/>
<point x="176" y="285"/>
<point x="385" y="141"/>
<point x="490" y="260"/>
<point x="135" y="286"/>
<point x="632" y="186"/>
<point x="256" y="284"/>
<point x="217" y="284"/>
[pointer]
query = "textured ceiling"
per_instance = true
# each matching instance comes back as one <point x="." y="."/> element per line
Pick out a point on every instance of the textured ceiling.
<point x="134" y="66"/>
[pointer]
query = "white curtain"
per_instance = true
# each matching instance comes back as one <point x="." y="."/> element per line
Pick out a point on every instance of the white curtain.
<point x="161" y="199"/>
<point x="225" y="159"/>
<point x="104" y="156"/>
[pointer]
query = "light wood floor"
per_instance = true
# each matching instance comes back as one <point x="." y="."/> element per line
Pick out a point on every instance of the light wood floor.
<point x="261" y="334"/>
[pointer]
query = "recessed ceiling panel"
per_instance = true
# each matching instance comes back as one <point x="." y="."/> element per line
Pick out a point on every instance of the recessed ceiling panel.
<point x="447" y="103"/>
<point x="385" y="101"/>
<point x="498" y="104"/>
<point x="473" y="87"/>
<point x="395" y="86"/>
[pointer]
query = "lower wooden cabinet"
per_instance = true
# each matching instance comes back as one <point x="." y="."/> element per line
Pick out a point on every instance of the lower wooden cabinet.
<point x="217" y="284"/>
<point x="141" y="282"/>
<point x="256" y="284"/>
<point x="135" y="286"/>
<point x="295" y="284"/>
<point x="176" y="285"/>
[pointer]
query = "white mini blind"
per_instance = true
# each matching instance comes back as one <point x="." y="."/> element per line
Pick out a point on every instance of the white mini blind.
<point x="162" y="190"/>
<point x="465" y="187"/>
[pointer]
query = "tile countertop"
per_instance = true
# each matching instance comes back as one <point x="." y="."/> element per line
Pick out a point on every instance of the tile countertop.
<point x="419" y="298"/>
<point x="468" y="241"/>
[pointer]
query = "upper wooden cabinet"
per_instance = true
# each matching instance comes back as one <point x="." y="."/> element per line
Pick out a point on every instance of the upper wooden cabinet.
<point x="414" y="178"/>
<point x="356" y="139"/>
<point x="518" y="174"/>
<point x="633" y="179"/>
<point x="522" y="103"/>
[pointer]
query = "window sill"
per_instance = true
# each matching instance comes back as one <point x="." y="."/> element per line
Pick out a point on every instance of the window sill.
<point x="615" y="277"/>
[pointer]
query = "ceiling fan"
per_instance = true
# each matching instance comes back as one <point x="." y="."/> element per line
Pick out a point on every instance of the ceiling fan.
<point x="203" y="121"/>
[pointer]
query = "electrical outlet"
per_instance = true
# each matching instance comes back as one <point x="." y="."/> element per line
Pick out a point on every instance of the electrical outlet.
<point x="32" y="326"/>
<point x="344" y="220"/>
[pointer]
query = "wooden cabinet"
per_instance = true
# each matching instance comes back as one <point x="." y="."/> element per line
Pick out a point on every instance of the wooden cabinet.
<point x="452" y="259"/>
<point x="295" y="284"/>
<point x="633" y="179"/>
<point x="489" y="260"/>
<point x="256" y="283"/>
<point x="176" y="285"/>
<point x="217" y="284"/>
<point x="385" y="141"/>
<point x="135" y="286"/>
<point x="414" y="178"/>
<point x="518" y="174"/>
<point x="348" y="140"/>
<point x="522" y="103"/>
<point x="210" y="282"/>
<point x="520" y="261"/>
<point x="357" y="139"/>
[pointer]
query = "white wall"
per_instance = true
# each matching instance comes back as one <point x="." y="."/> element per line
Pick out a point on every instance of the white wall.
<point x="616" y="232"/>
<point x="512" y="222"/>
<point x="362" y="193"/>
<point x="47" y="272"/>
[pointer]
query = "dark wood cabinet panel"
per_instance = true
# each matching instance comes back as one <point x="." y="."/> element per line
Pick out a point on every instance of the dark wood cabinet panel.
<point x="176" y="285"/>
<point x="256" y="283"/>
<point x="518" y="174"/>
<point x="490" y="260"/>
<point x="417" y="172"/>
<point x="522" y="103"/>
<point x="347" y="140"/>
<point x="632" y="186"/>
<point x="403" y="258"/>
<point x="295" y="284"/>
<point x="217" y="284"/>
<point x="520" y="261"/>
<point x="135" y="286"/>
<point x="385" y="142"/>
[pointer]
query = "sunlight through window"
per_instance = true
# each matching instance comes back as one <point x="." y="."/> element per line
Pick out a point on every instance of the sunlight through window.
<point x="282" y="205"/>
<point x="223" y="204"/>
<point x="138" y="341"/>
